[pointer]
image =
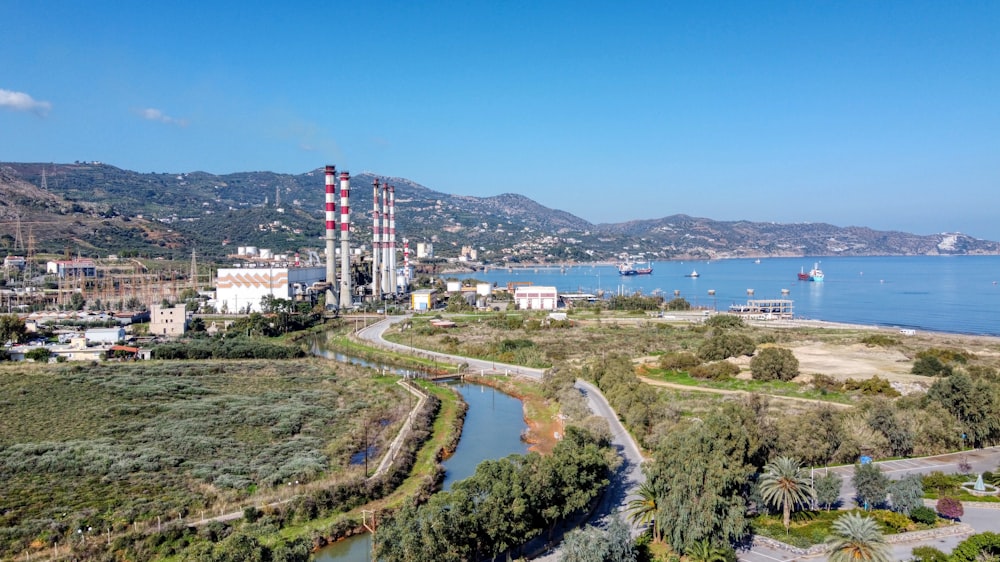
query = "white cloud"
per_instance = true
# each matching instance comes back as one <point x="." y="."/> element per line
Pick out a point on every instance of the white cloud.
<point x="19" y="101"/>
<point x="153" y="114"/>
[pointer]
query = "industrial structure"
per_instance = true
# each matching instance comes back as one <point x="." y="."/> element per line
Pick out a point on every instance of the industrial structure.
<point x="331" y="232"/>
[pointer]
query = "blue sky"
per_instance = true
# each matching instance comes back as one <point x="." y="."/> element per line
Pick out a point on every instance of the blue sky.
<point x="882" y="114"/>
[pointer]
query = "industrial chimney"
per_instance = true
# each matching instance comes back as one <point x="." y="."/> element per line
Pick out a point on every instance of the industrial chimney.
<point x="386" y="288"/>
<point x="345" y="242"/>
<point x="331" y="230"/>
<point x="392" y="240"/>
<point x="376" y="246"/>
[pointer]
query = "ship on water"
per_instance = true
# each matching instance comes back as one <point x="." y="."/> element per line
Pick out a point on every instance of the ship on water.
<point x="815" y="274"/>
<point x="629" y="268"/>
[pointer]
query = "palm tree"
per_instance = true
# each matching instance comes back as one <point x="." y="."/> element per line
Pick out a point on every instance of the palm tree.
<point x="703" y="551"/>
<point x="784" y="484"/>
<point x="642" y="510"/>
<point x="857" y="539"/>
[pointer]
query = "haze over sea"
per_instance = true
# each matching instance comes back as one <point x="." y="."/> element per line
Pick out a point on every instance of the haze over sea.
<point x="958" y="294"/>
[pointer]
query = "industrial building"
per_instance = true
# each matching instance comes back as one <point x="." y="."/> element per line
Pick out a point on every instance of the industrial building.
<point x="242" y="289"/>
<point x="167" y="320"/>
<point x="536" y="297"/>
<point x="72" y="268"/>
<point x="423" y="299"/>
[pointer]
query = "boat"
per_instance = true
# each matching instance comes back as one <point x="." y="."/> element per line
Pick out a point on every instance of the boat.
<point x="803" y="276"/>
<point x="628" y="268"/>
<point x="694" y="273"/>
<point x="816" y="274"/>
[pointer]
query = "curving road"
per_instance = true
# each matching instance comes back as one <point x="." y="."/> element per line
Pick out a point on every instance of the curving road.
<point x="625" y="480"/>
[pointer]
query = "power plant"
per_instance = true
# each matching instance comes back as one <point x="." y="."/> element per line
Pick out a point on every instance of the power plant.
<point x="259" y="274"/>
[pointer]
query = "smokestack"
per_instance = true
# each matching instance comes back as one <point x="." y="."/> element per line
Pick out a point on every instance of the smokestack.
<point x="386" y="288"/>
<point x="376" y="246"/>
<point x="331" y="230"/>
<point x="346" y="294"/>
<point x="392" y="239"/>
<point x="406" y="261"/>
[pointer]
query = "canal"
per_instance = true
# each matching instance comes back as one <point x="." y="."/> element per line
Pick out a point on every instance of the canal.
<point x="493" y="427"/>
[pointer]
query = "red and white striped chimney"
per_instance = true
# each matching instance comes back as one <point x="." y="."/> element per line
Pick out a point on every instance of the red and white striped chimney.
<point x="331" y="228"/>
<point x="376" y="246"/>
<point x="346" y="294"/>
<point x="386" y="287"/>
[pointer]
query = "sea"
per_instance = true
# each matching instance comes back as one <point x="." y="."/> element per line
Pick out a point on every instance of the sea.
<point x="956" y="294"/>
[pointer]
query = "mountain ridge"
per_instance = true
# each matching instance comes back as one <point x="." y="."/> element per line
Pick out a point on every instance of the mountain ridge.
<point x="102" y="208"/>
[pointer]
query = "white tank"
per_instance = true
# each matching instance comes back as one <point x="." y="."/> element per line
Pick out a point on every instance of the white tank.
<point x="241" y="251"/>
<point x="484" y="289"/>
<point x="251" y="251"/>
<point x="265" y="254"/>
<point x="454" y="286"/>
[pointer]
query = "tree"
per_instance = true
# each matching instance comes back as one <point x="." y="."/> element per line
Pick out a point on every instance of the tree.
<point x="828" y="489"/>
<point x="907" y="493"/>
<point x="856" y="538"/>
<point x="882" y="418"/>
<point x="870" y="484"/>
<point x="972" y="403"/>
<point x="784" y="484"/>
<point x="12" y="328"/>
<point x="774" y="363"/>
<point x="642" y="510"/>
<point x="704" y="471"/>
<point x="595" y="545"/>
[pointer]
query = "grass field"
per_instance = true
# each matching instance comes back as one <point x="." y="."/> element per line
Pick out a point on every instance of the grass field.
<point x="128" y="442"/>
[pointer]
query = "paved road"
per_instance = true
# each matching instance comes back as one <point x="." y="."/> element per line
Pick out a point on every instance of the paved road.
<point x="374" y="334"/>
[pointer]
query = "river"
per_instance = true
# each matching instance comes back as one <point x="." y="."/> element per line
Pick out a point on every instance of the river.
<point x="493" y="427"/>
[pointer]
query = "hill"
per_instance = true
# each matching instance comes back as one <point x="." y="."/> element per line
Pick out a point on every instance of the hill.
<point x="94" y="209"/>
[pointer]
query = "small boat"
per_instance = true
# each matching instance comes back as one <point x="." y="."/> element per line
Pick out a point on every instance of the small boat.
<point x="628" y="268"/>
<point x="694" y="273"/>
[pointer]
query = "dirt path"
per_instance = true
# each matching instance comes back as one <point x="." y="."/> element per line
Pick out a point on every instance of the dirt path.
<point x="676" y="386"/>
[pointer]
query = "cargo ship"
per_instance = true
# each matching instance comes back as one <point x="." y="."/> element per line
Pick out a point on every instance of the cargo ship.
<point x="628" y="268"/>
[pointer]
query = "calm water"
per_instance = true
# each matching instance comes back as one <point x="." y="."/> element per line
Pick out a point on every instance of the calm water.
<point x="938" y="293"/>
<point x="492" y="430"/>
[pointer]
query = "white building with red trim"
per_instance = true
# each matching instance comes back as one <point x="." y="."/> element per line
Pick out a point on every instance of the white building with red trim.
<point x="536" y="297"/>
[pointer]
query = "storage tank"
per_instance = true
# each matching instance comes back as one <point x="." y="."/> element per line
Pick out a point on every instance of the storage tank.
<point x="484" y="289"/>
<point x="251" y="251"/>
<point x="454" y="286"/>
<point x="265" y="254"/>
<point x="241" y="251"/>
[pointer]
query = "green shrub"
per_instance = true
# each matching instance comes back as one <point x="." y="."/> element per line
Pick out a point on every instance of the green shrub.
<point x="678" y="361"/>
<point x="826" y="382"/>
<point x="725" y="321"/>
<point x="774" y="363"/>
<point x="875" y="386"/>
<point x="928" y="554"/>
<point x="879" y="340"/>
<point x="930" y="367"/>
<point x="725" y="345"/>
<point x="923" y="514"/>
<point x="893" y="521"/>
<point x="717" y="371"/>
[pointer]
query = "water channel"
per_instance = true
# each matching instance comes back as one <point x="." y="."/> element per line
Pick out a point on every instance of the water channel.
<point x="493" y="427"/>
